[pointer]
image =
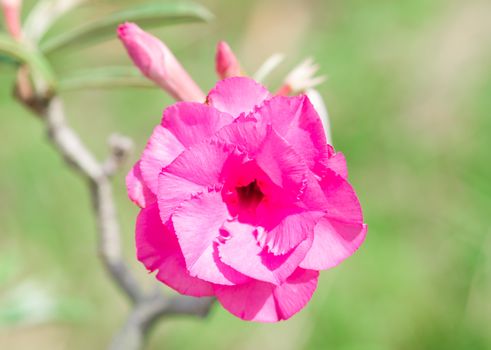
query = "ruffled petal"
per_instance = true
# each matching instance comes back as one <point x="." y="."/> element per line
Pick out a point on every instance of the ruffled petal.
<point x="253" y="301"/>
<point x="283" y="177"/>
<point x="282" y="164"/>
<point x="246" y="134"/>
<point x="342" y="202"/>
<point x="264" y="302"/>
<point x="293" y="295"/>
<point x="193" y="122"/>
<point x="295" y="119"/>
<point x="285" y="228"/>
<point x="197" y="223"/>
<point x="286" y="223"/>
<point x="341" y="231"/>
<point x="337" y="163"/>
<point x="197" y="169"/>
<point x="161" y="149"/>
<point x="157" y="248"/>
<point x="183" y="125"/>
<point x="237" y="95"/>
<point x="138" y="192"/>
<point x="334" y="241"/>
<point x="241" y="251"/>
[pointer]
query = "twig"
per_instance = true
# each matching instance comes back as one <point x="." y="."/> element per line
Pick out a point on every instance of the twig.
<point x="120" y="147"/>
<point x="147" y="307"/>
<point x="143" y="317"/>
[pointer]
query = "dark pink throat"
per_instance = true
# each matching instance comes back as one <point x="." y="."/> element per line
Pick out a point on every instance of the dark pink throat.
<point x="250" y="195"/>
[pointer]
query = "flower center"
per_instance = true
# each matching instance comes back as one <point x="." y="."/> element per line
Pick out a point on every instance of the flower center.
<point x="250" y="195"/>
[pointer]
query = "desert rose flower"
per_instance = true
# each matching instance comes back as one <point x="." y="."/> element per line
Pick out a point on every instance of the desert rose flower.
<point x="157" y="63"/>
<point x="226" y="64"/>
<point x="11" y="13"/>
<point x="242" y="198"/>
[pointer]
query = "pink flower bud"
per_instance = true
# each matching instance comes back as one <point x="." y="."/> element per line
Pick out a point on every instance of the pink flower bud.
<point x="227" y="64"/>
<point x="11" y="12"/>
<point x="158" y="63"/>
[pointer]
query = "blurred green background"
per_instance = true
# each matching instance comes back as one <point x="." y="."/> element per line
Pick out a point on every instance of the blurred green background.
<point x="409" y="94"/>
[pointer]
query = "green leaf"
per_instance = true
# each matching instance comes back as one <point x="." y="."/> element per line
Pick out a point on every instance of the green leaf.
<point x="8" y="60"/>
<point x="36" y="61"/>
<point x="146" y="15"/>
<point x="44" y="14"/>
<point x="104" y="78"/>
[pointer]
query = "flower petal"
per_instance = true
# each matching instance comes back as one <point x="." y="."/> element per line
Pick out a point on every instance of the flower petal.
<point x="293" y="295"/>
<point x="295" y="119"/>
<point x="197" y="223"/>
<point x="183" y="125"/>
<point x="242" y="252"/>
<point x="253" y="301"/>
<point x="157" y="248"/>
<point x="282" y="164"/>
<point x="286" y="228"/>
<point x="263" y="302"/>
<point x="337" y="162"/>
<point x="342" y="202"/>
<point x="334" y="241"/>
<point x="138" y="192"/>
<point x="286" y="223"/>
<point x="195" y="170"/>
<point x="162" y="148"/>
<point x="237" y="95"/>
<point x="193" y="122"/>
<point x="341" y="231"/>
<point x="246" y="134"/>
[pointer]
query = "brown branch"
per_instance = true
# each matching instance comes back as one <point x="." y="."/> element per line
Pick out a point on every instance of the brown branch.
<point x="147" y="307"/>
<point x="120" y="147"/>
<point x="144" y="316"/>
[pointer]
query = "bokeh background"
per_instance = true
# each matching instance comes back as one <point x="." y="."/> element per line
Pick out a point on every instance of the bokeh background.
<point x="409" y="94"/>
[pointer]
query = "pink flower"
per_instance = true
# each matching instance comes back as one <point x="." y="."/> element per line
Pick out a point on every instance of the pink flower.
<point x="158" y="63"/>
<point x="243" y="199"/>
<point x="11" y="12"/>
<point x="226" y="64"/>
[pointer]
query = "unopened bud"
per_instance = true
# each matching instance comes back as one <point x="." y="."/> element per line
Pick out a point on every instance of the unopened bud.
<point x="226" y="63"/>
<point x="157" y="63"/>
<point x="11" y="12"/>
